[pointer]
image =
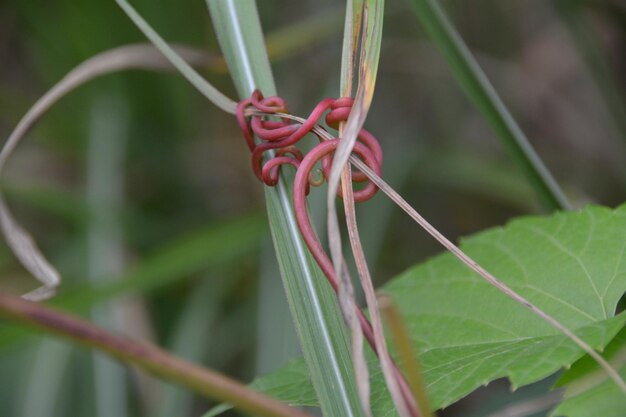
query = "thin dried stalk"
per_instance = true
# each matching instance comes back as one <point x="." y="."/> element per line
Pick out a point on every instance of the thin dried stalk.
<point x="347" y="300"/>
<point x="366" y="24"/>
<point x="137" y="56"/>
<point x="404" y="408"/>
<point x="474" y="266"/>
<point x="469" y="262"/>
<point x="361" y="371"/>
<point x="203" y="86"/>
<point x="146" y="356"/>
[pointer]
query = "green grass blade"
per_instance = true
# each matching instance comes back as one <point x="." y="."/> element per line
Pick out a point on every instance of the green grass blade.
<point x="276" y="338"/>
<point x="239" y="33"/>
<point x="311" y="300"/>
<point x="210" y="92"/>
<point x="364" y="19"/>
<point x="481" y="92"/>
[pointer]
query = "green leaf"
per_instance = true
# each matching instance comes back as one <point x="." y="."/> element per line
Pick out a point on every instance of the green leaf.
<point x="588" y="391"/>
<point x="287" y="384"/>
<point x="290" y="384"/>
<point x="571" y="265"/>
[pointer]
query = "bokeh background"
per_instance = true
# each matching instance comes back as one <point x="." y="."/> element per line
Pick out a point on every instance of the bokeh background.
<point x="140" y="191"/>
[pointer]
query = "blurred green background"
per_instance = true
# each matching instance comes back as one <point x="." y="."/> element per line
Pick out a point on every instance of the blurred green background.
<point x="140" y="191"/>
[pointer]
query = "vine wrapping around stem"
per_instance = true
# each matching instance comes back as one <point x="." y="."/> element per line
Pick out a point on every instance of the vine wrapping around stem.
<point x="268" y="119"/>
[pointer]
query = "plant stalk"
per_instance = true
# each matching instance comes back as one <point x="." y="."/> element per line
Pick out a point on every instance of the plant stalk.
<point x="478" y="88"/>
<point x="313" y="305"/>
<point x="146" y="356"/>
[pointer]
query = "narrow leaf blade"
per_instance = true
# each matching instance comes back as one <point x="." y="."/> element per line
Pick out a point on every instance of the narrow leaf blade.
<point x="312" y="302"/>
<point x="475" y="83"/>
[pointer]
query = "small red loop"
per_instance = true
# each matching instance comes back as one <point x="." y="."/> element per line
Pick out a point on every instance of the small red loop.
<point x="281" y="135"/>
<point x="340" y="110"/>
<point x="268" y="105"/>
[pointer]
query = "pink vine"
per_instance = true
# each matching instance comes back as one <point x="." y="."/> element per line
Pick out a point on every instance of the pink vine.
<point x="281" y="135"/>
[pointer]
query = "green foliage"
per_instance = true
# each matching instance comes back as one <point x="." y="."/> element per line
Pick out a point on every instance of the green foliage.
<point x="210" y="247"/>
<point x="168" y="194"/>
<point x="587" y="390"/>
<point x="468" y="334"/>
<point x="473" y="80"/>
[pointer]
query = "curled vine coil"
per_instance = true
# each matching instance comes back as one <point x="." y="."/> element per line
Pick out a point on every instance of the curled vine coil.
<point x="282" y="136"/>
<point x="268" y="119"/>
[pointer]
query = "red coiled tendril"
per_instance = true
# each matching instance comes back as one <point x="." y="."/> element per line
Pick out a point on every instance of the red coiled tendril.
<point x="281" y="134"/>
